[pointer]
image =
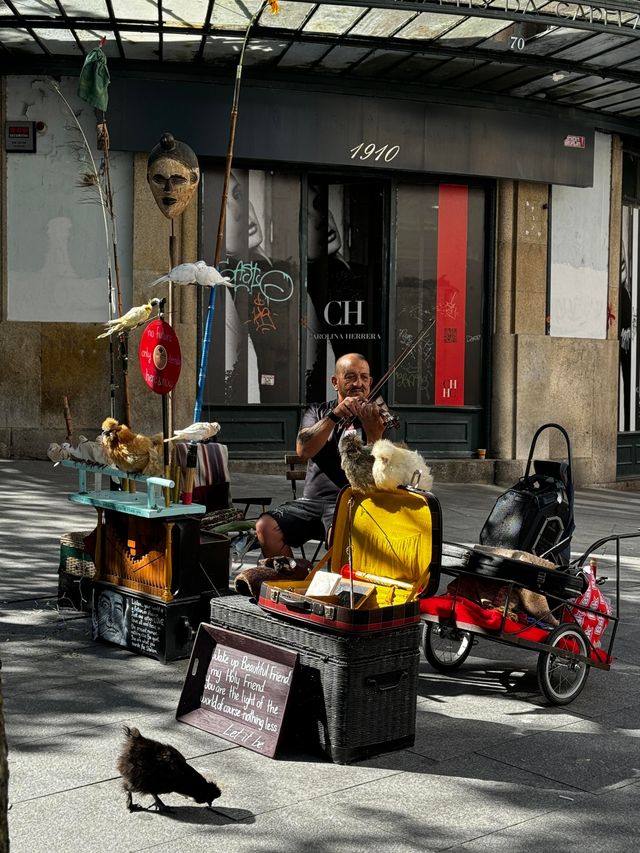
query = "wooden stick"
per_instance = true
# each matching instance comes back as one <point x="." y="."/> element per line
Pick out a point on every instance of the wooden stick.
<point x="67" y="417"/>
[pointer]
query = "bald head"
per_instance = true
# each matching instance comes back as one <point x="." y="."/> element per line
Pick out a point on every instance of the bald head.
<point x="352" y="377"/>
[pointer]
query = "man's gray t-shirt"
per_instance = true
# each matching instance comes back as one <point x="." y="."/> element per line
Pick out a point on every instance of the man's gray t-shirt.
<point x="325" y="476"/>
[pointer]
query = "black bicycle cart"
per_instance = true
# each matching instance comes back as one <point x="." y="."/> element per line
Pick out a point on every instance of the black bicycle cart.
<point x="581" y="637"/>
<point x="520" y="587"/>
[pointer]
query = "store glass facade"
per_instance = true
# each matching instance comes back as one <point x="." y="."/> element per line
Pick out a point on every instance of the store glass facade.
<point x="321" y="265"/>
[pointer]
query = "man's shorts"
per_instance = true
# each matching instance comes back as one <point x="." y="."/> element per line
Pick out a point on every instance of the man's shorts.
<point x="303" y="519"/>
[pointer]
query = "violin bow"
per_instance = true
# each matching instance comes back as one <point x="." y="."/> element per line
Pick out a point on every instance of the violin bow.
<point x="396" y="364"/>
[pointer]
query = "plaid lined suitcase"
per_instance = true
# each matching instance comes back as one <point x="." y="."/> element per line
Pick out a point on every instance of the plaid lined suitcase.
<point x="393" y="540"/>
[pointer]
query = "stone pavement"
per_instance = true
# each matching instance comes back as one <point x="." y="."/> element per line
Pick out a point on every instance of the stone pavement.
<point x="493" y="768"/>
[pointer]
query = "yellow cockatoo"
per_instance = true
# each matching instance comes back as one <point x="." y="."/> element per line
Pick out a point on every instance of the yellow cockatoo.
<point x="131" y="320"/>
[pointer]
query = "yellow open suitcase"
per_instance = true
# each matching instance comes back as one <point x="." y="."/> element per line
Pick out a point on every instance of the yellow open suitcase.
<point x="393" y="542"/>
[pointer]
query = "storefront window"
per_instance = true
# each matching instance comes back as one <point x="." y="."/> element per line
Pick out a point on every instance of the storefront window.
<point x="254" y="351"/>
<point x="344" y="309"/>
<point x="439" y="290"/>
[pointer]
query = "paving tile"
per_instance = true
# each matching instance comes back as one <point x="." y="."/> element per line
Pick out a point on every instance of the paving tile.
<point x="588" y="826"/>
<point x="452" y="802"/>
<point x="591" y="755"/>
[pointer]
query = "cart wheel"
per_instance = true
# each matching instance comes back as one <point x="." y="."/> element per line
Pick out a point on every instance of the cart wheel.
<point x="561" y="679"/>
<point x="445" y="647"/>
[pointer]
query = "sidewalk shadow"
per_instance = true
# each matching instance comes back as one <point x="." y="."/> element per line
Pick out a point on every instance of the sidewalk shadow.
<point x="201" y="815"/>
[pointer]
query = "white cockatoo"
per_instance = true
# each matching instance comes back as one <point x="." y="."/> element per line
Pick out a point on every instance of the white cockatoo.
<point x="131" y="320"/>
<point x="197" y="273"/>
<point x="85" y="451"/>
<point x="196" y="432"/>
<point x="58" y="452"/>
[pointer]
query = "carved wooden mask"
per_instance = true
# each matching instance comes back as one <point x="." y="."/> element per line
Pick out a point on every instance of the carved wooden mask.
<point x="173" y="175"/>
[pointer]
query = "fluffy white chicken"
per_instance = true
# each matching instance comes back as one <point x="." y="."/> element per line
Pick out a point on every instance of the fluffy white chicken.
<point x="199" y="431"/>
<point x="135" y="317"/>
<point x="395" y="466"/>
<point x="197" y="273"/>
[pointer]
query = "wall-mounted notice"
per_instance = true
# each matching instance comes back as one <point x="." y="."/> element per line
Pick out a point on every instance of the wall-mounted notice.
<point x="237" y="688"/>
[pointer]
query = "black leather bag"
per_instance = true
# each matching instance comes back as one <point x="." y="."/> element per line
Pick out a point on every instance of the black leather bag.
<point x="536" y="514"/>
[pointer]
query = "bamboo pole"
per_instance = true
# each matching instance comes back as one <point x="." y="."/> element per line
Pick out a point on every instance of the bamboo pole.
<point x="208" y="326"/>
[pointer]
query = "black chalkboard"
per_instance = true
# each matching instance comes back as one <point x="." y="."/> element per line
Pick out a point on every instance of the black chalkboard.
<point x="125" y="620"/>
<point x="237" y="688"/>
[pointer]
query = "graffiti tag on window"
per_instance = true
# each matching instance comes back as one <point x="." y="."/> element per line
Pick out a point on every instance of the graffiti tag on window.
<point x="273" y="285"/>
<point x="262" y="317"/>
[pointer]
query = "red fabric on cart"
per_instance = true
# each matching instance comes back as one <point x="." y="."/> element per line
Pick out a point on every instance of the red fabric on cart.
<point x="467" y="612"/>
<point x="470" y="613"/>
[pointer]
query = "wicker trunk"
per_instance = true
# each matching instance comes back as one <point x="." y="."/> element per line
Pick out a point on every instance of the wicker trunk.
<point x="353" y="696"/>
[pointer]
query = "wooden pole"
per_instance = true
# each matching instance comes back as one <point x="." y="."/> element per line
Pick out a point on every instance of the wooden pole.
<point x="206" y="340"/>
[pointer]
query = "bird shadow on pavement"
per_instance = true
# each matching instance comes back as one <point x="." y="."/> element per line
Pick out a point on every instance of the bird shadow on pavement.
<point x="201" y="815"/>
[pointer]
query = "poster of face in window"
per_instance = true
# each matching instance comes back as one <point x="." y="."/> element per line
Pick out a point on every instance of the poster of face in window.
<point x="344" y="279"/>
<point x="256" y="325"/>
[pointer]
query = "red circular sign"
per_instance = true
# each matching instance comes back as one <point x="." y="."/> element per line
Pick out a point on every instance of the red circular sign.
<point x="160" y="357"/>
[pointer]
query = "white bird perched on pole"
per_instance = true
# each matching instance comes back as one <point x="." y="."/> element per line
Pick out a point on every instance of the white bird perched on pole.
<point x="197" y="273"/>
<point x="131" y="320"/>
<point x="196" y="432"/>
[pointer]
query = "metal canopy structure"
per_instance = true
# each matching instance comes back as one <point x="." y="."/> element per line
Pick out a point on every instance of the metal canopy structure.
<point x="554" y="55"/>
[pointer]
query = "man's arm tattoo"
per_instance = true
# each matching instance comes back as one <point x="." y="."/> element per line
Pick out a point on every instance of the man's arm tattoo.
<point x="308" y="433"/>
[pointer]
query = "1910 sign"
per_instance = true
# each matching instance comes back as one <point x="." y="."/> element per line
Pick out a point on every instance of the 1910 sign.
<point x="237" y="688"/>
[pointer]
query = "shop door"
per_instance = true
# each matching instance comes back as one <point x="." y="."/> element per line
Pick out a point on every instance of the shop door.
<point x="628" y="459"/>
<point x="440" y="390"/>
<point x="346" y="301"/>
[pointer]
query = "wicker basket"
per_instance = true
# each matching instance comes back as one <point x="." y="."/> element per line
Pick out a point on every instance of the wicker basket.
<point x="73" y="558"/>
<point x="75" y="572"/>
<point x="353" y="696"/>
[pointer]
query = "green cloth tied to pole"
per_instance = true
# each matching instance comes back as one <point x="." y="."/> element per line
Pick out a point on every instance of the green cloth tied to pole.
<point x="94" y="80"/>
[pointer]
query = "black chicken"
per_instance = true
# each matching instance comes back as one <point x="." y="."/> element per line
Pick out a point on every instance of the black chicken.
<point x="150" y="767"/>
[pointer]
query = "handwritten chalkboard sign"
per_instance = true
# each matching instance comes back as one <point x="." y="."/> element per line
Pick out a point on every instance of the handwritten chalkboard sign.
<point x="146" y="626"/>
<point x="237" y="688"/>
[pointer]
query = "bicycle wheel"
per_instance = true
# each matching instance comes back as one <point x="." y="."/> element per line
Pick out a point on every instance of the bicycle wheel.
<point x="445" y="647"/>
<point x="561" y="679"/>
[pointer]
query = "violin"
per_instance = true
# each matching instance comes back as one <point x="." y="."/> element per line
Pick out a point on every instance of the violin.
<point x="389" y="420"/>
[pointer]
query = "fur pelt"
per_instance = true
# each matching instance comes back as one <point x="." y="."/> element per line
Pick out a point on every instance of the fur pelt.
<point x="357" y="462"/>
<point x="249" y="581"/>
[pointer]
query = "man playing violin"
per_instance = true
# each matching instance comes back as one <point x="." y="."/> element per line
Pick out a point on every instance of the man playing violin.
<point x="323" y="425"/>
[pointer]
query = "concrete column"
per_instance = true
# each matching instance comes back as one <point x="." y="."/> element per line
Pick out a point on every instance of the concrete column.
<point x="615" y="235"/>
<point x="503" y="377"/>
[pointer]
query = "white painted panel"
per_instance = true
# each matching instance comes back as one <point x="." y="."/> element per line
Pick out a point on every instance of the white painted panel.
<point x="57" y="251"/>
<point x="579" y="249"/>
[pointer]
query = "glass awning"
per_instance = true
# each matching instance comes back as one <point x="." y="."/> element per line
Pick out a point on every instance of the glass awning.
<point x="584" y="55"/>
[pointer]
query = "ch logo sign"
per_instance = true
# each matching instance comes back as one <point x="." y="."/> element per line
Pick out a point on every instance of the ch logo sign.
<point x="347" y="313"/>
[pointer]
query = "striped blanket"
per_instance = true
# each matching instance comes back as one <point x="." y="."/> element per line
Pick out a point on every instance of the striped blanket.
<point x="211" y="486"/>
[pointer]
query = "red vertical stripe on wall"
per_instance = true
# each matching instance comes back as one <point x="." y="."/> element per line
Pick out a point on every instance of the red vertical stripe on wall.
<point x="451" y="289"/>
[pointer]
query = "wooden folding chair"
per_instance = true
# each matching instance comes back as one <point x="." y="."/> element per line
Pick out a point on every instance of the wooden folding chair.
<point x="296" y="472"/>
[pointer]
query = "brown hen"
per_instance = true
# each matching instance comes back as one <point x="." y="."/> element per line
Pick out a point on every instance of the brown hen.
<point x="131" y="451"/>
